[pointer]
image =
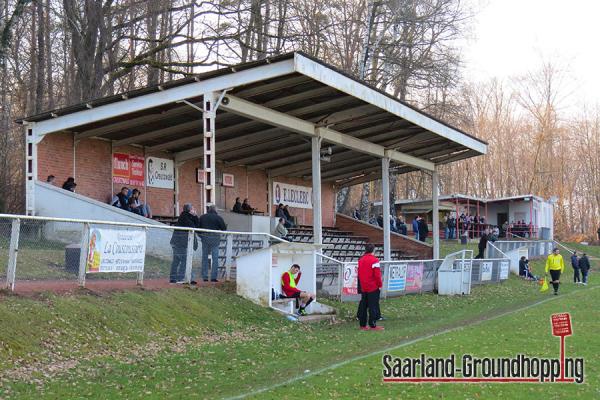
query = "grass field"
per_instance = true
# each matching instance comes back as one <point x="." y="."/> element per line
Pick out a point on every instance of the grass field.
<point x="212" y="344"/>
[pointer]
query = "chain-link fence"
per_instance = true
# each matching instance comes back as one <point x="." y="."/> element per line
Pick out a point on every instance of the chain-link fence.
<point x="38" y="251"/>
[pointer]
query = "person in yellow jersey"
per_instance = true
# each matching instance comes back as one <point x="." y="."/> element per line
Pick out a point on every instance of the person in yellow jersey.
<point x="556" y="266"/>
<point x="288" y="286"/>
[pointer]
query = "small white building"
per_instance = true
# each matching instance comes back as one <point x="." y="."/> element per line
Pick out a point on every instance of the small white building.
<point x="527" y="215"/>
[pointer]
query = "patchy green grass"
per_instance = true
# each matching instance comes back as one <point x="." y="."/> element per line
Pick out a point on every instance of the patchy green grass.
<point x="526" y="332"/>
<point x="204" y="343"/>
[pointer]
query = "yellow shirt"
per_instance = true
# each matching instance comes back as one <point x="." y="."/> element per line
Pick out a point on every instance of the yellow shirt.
<point x="555" y="262"/>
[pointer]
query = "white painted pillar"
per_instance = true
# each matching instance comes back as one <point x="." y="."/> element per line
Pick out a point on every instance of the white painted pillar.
<point x="385" y="205"/>
<point x="176" y="202"/>
<point x="316" y="187"/>
<point x="269" y="194"/>
<point x="208" y="120"/>
<point x="435" y="183"/>
<point x="30" y="168"/>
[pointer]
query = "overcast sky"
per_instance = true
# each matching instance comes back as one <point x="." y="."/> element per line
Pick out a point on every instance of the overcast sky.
<point x="511" y="37"/>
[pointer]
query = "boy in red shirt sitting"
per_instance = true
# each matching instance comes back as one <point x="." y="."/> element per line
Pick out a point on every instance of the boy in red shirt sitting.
<point x="369" y="283"/>
<point x="288" y="286"/>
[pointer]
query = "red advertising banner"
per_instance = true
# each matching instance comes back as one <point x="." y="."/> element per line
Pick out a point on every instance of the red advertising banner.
<point x="128" y="169"/>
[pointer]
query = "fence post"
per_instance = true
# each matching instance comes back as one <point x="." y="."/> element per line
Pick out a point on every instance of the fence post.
<point x="83" y="252"/>
<point x="189" y="257"/>
<point x="12" y="254"/>
<point x="140" y="274"/>
<point x="340" y="279"/>
<point x="228" y="257"/>
<point x="385" y="280"/>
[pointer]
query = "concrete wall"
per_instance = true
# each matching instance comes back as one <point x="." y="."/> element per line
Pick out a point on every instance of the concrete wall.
<point x="89" y="161"/>
<point x="375" y="234"/>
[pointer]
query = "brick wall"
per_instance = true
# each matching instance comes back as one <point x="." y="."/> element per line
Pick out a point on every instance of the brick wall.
<point x="375" y="235"/>
<point x="93" y="175"/>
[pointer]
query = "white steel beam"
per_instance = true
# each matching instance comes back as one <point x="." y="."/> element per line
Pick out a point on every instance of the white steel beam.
<point x="350" y="86"/>
<point x="167" y="96"/>
<point x="297" y="125"/>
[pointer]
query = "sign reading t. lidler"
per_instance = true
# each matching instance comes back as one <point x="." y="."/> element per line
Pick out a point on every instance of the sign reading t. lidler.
<point x="161" y="173"/>
<point x="292" y="195"/>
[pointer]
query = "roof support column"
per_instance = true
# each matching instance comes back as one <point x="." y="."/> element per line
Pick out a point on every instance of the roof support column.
<point x="385" y="205"/>
<point x="435" y="187"/>
<point x="208" y="125"/>
<point x="316" y="189"/>
<point x="30" y="168"/>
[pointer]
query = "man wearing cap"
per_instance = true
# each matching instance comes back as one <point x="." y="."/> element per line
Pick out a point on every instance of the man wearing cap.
<point x="555" y="265"/>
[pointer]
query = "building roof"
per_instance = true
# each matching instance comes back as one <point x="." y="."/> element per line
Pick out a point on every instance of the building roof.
<point x="294" y="85"/>
<point x="463" y="199"/>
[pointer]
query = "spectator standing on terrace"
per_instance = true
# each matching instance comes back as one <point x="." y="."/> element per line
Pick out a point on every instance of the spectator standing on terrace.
<point x="575" y="265"/>
<point x="598" y="233"/>
<point x="584" y="265"/>
<point x="288" y="287"/>
<point x="369" y="284"/>
<point x="483" y="240"/>
<point x="356" y="214"/>
<point x="380" y="220"/>
<point x="69" y="184"/>
<point x="415" y="227"/>
<point x="179" y="241"/>
<point x="51" y="179"/>
<point x="423" y="229"/>
<point x="556" y="266"/>
<point x="210" y="241"/>
<point x="237" y="207"/>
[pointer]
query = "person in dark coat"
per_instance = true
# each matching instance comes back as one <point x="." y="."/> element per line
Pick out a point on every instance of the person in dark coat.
<point x="415" y="227"/>
<point x="483" y="240"/>
<point x="584" y="265"/>
<point x="179" y="241"/>
<point x="247" y="208"/>
<point x="423" y="229"/>
<point x="288" y="216"/>
<point x="210" y="241"/>
<point x="575" y="265"/>
<point x="69" y="184"/>
<point x="237" y="207"/>
<point x="121" y="200"/>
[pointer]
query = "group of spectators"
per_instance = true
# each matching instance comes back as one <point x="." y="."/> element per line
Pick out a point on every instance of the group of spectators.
<point x="397" y="224"/>
<point x="210" y="243"/>
<point x="129" y="200"/>
<point x="243" y="208"/>
<point x="283" y="212"/>
<point x="420" y="228"/>
<point x="69" y="184"/>
<point x="518" y="228"/>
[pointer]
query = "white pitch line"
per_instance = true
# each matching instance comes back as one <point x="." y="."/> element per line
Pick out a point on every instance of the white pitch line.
<point x="403" y="344"/>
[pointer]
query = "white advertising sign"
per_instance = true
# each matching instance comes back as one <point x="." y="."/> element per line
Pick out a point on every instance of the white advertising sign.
<point x="160" y="173"/>
<point x="486" y="271"/>
<point x="115" y="250"/>
<point x="292" y="195"/>
<point x="504" y="270"/>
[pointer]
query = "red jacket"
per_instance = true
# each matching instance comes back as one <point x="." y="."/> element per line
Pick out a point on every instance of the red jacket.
<point x="287" y="289"/>
<point x="369" y="273"/>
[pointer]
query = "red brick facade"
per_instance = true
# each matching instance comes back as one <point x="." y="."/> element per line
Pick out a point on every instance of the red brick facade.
<point x="91" y="166"/>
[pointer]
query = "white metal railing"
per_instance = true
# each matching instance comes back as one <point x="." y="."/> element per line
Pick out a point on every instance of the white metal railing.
<point x="16" y="227"/>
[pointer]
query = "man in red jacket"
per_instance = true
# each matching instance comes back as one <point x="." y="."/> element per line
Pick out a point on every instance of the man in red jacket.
<point x="369" y="283"/>
<point x="288" y="286"/>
